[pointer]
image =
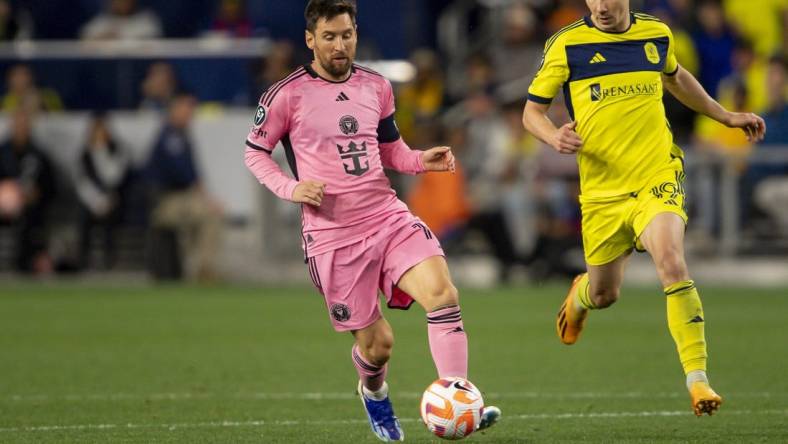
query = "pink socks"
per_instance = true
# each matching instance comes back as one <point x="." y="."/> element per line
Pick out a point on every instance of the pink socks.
<point x="371" y="376"/>
<point x="448" y="342"/>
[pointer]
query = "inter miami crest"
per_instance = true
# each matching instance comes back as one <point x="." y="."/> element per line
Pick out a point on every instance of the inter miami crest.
<point x="348" y="125"/>
<point x="259" y="116"/>
<point x="340" y="312"/>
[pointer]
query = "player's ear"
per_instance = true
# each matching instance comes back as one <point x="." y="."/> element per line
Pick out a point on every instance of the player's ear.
<point x="310" y="39"/>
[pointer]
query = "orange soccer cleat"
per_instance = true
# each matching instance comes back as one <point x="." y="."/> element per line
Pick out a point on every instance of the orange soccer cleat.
<point x="569" y="323"/>
<point x="704" y="399"/>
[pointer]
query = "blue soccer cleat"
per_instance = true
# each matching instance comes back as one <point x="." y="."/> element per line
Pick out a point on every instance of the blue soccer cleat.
<point x="490" y="415"/>
<point x="381" y="418"/>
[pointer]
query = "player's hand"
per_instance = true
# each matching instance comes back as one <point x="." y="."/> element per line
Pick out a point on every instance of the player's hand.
<point x="439" y="158"/>
<point x="309" y="192"/>
<point x="566" y="139"/>
<point x="752" y="124"/>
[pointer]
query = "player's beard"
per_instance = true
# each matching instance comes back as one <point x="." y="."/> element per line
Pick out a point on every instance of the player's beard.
<point x="337" y="70"/>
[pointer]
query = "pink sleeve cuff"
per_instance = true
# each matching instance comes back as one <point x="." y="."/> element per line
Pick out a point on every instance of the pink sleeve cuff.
<point x="288" y="189"/>
<point x="419" y="162"/>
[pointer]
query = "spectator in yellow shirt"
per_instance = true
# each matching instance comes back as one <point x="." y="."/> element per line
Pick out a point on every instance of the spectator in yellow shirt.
<point x="22" y="93"/>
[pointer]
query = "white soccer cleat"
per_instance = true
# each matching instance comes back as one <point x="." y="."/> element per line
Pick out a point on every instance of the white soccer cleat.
<point x="490" y="415"/>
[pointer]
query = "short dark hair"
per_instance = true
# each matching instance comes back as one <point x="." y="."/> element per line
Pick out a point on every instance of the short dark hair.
<point x="328" y="9"/>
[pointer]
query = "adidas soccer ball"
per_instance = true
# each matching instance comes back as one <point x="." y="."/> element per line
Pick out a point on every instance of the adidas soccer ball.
<point x="451" y="408"/>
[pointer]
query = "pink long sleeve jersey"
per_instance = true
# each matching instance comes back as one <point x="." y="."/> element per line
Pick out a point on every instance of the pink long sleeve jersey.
<point x="342" y="134"/>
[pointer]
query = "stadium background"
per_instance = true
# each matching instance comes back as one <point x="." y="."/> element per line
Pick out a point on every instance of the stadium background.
<point x="118" y="340"/>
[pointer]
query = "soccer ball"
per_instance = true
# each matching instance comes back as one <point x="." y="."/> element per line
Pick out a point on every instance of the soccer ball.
<point x="451" y="408"/>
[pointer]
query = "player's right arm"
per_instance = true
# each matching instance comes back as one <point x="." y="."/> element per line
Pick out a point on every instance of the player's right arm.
<point x="553" y="73"/>
<point x="564" y="139"/>
<point x="271" y="123"/>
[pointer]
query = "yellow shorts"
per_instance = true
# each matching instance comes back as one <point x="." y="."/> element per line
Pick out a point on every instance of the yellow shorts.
<point x="612" y="227"/>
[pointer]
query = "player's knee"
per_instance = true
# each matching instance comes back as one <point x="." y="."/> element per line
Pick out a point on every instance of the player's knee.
<point x="605" y="297"/>
<point x="442" y="296"/>
<point x="672" y="267"/>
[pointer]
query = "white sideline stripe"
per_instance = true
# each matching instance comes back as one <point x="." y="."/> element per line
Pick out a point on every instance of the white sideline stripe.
<point x="287" y="423"/>
<point x="350" y="395"/>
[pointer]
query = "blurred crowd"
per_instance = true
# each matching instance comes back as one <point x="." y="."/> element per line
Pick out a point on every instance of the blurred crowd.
<point x="513" y="197"/>
<point x="121" y="20"/>
<point x="165" y="194"/>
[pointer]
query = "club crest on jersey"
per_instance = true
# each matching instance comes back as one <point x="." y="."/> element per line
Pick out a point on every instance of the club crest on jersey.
<point x="348" y="125"/>
<point x="340" y="312"/>
<point x="259" y="116"/>
<point x="652" y="54"/>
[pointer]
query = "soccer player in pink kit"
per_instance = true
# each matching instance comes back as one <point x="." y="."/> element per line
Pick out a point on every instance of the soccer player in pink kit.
<point x="335" y="120"/>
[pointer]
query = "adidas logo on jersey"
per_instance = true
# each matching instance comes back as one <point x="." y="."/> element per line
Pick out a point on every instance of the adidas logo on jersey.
<point x="342" y="97"/>
<point x="598" y="58"/>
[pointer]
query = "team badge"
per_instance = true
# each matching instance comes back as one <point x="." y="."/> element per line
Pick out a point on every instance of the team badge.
<point x="652" y="54"/>
<point x="348" y="125"/>
<point x="340" y="312"/>
<point x="259" y="116"/>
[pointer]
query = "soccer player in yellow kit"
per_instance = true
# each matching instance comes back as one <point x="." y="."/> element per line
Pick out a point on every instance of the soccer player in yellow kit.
<point x="612" y="66"/>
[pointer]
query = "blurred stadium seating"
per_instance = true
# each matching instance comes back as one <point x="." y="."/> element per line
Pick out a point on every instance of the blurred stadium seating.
<point x="461" y="69"/>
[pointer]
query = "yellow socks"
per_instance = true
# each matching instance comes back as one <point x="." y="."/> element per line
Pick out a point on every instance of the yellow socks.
<point x="686" y="323"/>
<point x="582" y="297"/>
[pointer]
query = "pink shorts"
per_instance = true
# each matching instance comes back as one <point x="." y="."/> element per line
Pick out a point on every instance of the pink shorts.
<point x="349" y="277"/>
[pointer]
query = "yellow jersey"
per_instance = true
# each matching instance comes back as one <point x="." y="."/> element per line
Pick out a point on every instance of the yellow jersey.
<point x="612" y="87"/>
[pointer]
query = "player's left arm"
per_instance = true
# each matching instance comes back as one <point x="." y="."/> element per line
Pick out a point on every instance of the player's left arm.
<point x="686" y="88"/>
<point x="398" y="156"/>
<point x="395" y="154"/>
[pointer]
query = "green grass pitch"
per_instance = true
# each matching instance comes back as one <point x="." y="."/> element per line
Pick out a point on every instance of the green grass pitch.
<point x="248" y="365"/>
